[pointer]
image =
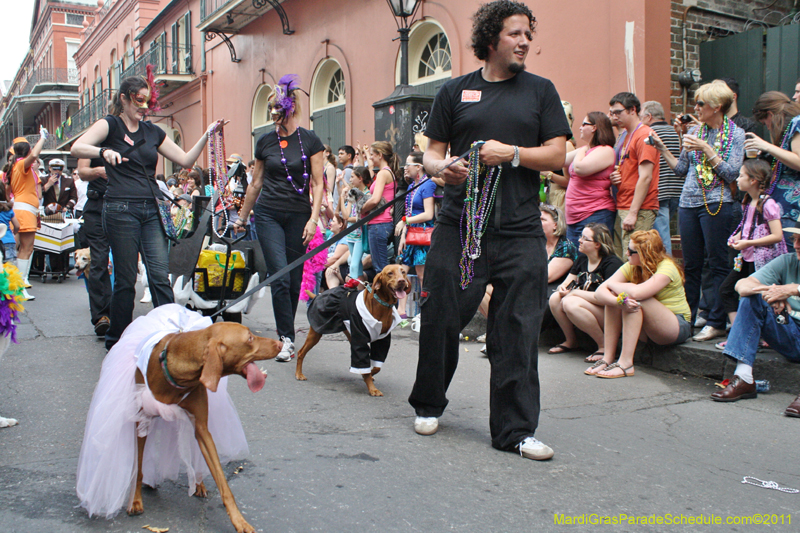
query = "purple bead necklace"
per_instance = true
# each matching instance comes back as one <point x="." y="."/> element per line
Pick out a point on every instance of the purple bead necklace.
<point x="303" y="156"/>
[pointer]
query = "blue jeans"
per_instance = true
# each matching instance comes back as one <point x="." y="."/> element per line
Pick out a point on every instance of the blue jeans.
<point x="356" y="267"/>
<point x="701" y="235"/>
<point x="667" y="209"/>
<point x="379" y="244"/>
<point x="604" y="216"/>
<point x="281" y="237"/>
<point x="755" y="320"/>
<point x="133" y="228"/>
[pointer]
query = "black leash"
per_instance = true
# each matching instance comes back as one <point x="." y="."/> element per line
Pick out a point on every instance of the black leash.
<point x="365" y="220"/>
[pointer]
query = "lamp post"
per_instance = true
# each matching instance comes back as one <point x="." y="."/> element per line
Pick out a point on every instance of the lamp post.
<point x="395" y="115"/>
<point x="403" y="10"/>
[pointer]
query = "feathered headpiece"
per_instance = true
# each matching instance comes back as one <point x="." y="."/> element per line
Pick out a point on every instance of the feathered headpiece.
<point x="152" y="102"/>
<point x="284" y="101"/>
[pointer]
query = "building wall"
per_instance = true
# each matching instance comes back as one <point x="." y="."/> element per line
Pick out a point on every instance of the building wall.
<point x="579" y="44"/>
<point x="712" y="19"/>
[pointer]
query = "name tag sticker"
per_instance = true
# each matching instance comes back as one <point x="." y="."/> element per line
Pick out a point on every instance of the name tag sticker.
<point x="470" y="96"/>
<point x="129" y="140"/>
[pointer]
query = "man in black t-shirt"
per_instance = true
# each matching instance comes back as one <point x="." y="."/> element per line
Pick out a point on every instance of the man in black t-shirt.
<point x="520" y="118"/>
<point x="98" y="281"/>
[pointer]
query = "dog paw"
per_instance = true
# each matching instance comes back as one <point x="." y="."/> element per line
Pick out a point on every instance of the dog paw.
<point x="243" y="527"/>
<point x="375" y="392"/>
<point x="8" y="422"/>
<point x="300" y="377"/>
<point x="200" y="490"/>
<point x="137" y="507"/>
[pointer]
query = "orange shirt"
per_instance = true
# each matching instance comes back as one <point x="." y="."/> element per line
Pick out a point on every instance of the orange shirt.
<point x="23" y="184"/>
<point x="637" y="152"/>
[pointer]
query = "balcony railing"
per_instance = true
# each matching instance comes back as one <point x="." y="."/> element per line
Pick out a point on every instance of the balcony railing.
<point x="166" y="59"/>
<point x="50" y="144"/>
<point x="50" y="76"/>
<point x="209" y="8"/>
<point x="96" y="109"/>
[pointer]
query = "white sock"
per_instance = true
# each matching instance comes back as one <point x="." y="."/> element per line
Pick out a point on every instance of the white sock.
<point x="745" y="372"/>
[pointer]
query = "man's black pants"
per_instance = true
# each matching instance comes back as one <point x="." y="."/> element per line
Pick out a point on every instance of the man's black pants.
<point x="98" y="280"/>
<point x="517" y="269"/>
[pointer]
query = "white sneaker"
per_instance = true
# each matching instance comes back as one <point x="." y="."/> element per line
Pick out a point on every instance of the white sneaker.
<point x="287" y="351"/>
<point x="531" y="448"/>
<point x="700" y="322"/>
<point x="483" y="349"/>
<point x="146" y="298"/>
<point x="426" y="425"/>
<point x="708" y="333"/>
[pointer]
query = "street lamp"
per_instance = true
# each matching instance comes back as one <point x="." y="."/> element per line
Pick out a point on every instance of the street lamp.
<point x="403" y="10"/>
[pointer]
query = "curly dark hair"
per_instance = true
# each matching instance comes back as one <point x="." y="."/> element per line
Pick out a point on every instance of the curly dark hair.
<point x="487" y="23"/>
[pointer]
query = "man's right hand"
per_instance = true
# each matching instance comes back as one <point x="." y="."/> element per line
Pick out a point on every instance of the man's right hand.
<point x="616" y="177"/>
<point x="455" y="174"/>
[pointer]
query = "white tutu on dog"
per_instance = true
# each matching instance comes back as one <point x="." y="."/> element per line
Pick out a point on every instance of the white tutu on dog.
<point x="107" y="465"/>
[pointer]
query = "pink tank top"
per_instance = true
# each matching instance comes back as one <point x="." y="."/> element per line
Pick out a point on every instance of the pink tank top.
<point x="588" y="194"/>
<point x="388" y="195"/>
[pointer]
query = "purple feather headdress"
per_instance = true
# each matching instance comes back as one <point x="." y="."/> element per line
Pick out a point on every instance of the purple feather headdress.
<point x="284" y="101"/>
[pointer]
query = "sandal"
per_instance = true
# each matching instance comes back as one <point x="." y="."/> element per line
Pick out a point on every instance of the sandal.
<point x="562" y="349"/>
<point x="595" y="365"/>
<point x="593" y="358"/>
<point x="616" y="365"/>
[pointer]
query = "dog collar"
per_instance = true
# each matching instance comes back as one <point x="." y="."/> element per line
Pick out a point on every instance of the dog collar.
<point x="378" y="298"/>
<point x="163" y="360"/>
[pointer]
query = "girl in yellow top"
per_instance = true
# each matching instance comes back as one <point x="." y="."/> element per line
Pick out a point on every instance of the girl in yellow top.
<point x="644" y="300"/>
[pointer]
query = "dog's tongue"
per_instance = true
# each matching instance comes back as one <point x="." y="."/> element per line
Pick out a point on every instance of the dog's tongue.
<point x="400" y="294"/>
<point x="255" y="377"/>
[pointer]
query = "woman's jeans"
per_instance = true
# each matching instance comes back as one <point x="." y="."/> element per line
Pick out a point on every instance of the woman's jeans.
<point x="379" y="244"/>
<point x="356" y="267"/>
<point x="705" y="235"/>
<point x="665" y="211"/>
<point x="604" y="216"/>
<point x="756" y="320"/>
<point x="133" y="228"/>
<point x="281" y="237"/>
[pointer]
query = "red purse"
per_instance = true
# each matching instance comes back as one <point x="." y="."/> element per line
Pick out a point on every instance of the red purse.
<point x="419" y="236"/>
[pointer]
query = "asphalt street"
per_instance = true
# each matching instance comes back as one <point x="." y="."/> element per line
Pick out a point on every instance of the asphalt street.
<point x="325" y="456"/>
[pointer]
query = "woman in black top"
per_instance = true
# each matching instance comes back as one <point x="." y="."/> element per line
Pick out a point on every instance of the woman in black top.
<point x="574" y="303"/>
<point x="289" y="167"/>
<point x="127" y="143"/>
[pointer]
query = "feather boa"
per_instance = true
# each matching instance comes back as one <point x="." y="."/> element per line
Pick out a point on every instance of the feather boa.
<point x="313" y="265"/>
<point x="152" y="103"/>
<point x="11" y="285"/>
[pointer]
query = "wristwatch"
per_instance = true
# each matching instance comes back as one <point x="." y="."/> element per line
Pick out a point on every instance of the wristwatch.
<point x="515" y="161"/>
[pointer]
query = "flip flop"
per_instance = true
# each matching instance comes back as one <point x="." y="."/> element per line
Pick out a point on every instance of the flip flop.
<point x="595" y="365"/>
<point x="562" y="349"/>
<point x="591" y="358"/>
<point x="616" y="365"/>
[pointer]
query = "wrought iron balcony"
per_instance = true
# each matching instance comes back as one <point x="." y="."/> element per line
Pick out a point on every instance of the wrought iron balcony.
<point x="50" y="144"/>
<point x="87" y="115"/>
<point x="229" y="16"/>
<point x="42" y="79"/>
<point x="172" y="66"/>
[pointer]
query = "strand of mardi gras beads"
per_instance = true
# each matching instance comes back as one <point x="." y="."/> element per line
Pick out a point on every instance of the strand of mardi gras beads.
<point x="777" y="166"/>
<point x="218" y="175"/>
<point x="478" y="204"/>
<point x="706" y="177"/>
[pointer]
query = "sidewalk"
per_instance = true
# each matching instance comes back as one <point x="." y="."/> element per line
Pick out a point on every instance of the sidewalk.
<point x="700" y="359"/>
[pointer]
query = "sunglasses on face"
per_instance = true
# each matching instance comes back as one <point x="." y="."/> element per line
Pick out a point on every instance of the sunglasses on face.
<point x="699" y="103"/>
<point x="587" y="124"/>
<point x="585" y="239"/>
<point x="632" y="252"/>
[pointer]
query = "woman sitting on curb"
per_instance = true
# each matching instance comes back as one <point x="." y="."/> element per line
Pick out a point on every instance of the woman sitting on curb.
<point x="643" y="300"/>
<point x="574" y="303"/>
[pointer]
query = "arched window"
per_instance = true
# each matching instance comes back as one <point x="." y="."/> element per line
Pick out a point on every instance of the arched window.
<point x="429" y="57"/>
<point x="328" y="98"/>
<point x="260" y="119"/>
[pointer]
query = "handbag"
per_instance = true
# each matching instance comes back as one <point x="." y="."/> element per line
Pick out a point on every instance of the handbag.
<point x="419" y="236"/>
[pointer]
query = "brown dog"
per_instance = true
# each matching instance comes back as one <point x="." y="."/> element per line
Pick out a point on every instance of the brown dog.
<point x="83" y="259"/>
<point x="370" y="322"/>
<point x="196" y="361"/>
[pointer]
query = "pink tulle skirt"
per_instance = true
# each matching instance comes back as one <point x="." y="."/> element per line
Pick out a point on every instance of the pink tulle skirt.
<point x="108" y="461"/>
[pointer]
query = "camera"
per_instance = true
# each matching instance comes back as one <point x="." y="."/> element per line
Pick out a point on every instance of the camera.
<point x="686" y="119"/>
<point x="650" y="140"/>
